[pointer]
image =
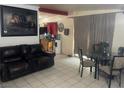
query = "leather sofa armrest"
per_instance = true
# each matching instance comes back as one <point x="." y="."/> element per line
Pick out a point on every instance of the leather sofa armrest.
<point x="48" y="54"/>
<point x="3" y="73"/>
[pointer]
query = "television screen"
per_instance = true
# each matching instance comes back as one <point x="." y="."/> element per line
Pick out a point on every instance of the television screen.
<point x="43" y="30"/>
<point x="19" y="22"/>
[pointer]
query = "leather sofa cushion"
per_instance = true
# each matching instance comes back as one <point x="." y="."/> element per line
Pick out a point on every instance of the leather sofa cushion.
<point x="44" y="59"/>
<point x="41" y="58"/>
<point x="17" y="67"/>
<point x="11" y="52"/>
<point x="25" y="49"/>
<point x="41" y="61"/>
<point x="36" y="49"/>
<point x="12" y="59"/>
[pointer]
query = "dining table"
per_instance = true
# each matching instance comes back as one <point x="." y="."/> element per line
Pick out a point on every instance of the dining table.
<point x="100" y="60"/>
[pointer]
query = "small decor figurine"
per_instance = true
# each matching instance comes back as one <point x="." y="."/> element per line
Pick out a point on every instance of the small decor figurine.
<point x="50" y="42"/>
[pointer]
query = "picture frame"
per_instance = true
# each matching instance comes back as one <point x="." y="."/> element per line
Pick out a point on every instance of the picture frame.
<point x="18" y="22"/>
<point x="61" y="27"/>
<point x="66" y="31"/>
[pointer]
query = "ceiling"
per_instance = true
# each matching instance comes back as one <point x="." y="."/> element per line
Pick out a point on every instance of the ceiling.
<point x="76" y="7"/>
<point x="81" y="7"/>
<point x="49" y="15"/>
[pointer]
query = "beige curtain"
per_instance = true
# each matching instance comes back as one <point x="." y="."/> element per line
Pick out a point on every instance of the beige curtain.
<point x="101" y="29"/>
<point x="93" y="29"/>
<point x="82" y="28"/>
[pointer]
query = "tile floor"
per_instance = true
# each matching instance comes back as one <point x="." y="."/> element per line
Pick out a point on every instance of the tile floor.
<point x="64" y="74"/>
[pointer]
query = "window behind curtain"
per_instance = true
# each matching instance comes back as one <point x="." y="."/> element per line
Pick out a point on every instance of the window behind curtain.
<point x="93" y="29"/>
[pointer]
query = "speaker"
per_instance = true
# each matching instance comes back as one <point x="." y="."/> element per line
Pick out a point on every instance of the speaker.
<point x="66" y="31"/>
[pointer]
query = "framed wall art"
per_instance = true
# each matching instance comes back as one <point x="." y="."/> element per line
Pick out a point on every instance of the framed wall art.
<point x="61" y="27"/>
<point x="18" y="22"/>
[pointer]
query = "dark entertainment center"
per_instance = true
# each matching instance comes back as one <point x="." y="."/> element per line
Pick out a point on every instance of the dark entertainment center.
<point x="19" y="60"/>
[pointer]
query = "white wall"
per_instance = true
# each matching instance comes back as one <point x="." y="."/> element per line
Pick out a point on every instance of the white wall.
<point x="118" y="39"/>
<point x="8" y="41"/>
<point x="67" y="41"/>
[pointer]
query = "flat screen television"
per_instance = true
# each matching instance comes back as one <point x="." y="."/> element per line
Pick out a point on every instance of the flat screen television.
<point x="43" y="30"/>
<point x="18" y="22"/>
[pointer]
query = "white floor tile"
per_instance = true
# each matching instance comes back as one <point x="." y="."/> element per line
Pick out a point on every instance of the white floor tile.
<point x="64" y="74"/>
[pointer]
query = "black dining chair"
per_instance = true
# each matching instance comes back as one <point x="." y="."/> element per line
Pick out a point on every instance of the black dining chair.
<point x="113" y="69"/>
<point x="85" y="63"/>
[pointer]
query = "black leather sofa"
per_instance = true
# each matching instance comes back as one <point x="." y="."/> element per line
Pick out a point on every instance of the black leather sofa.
<point x="16" y="61"/>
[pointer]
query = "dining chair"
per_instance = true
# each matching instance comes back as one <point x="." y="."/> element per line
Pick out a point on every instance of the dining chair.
<point x="85" y="63"/>
<point x="113" y="69"/>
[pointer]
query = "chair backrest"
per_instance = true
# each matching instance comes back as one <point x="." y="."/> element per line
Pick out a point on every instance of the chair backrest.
<point x="118" y="62"/>
<point x="80" y="54"/>
<point x="121" y="51"/>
